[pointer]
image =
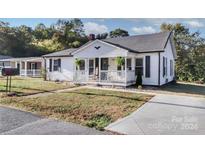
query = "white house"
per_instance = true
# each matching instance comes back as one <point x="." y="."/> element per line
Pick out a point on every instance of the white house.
<point x="60" y="65"/>
<point x="151" y="55"/>
<point x="28" y="66"/>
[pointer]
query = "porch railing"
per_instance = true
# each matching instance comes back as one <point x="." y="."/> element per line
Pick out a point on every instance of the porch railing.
<point x="31" y="73"/>
<point x="113" y="76"/>
<point x="131" y="76"/>
<point x="108" y="76"/>
<point x="81" y="76"/>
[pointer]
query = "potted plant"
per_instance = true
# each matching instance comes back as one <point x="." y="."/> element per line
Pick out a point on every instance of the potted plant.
<point x="120" y="62"/>
<point x="139" y="80"/>
<point x="77" y="63"/>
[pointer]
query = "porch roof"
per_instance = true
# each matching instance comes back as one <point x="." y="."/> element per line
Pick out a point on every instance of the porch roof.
<point x="2" y="57"/>
<point x="31" y="59"/>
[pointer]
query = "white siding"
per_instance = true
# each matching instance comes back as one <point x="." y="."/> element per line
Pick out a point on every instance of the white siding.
<point x="169" y="55"/>
<point x="154" y="59"/>
<point x="105" y="50"/>
<point x="66" y="73"/>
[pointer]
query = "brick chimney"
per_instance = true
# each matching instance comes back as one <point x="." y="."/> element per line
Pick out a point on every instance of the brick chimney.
<point x="91" y="37"/>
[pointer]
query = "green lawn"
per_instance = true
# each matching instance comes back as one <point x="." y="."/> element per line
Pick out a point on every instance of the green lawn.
<point x="93" y="108"/>
<point x="25" y="86"/>
<point x="188" y="88"/>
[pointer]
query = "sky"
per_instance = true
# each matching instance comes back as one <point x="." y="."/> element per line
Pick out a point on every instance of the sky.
<point x="134" y="26"/>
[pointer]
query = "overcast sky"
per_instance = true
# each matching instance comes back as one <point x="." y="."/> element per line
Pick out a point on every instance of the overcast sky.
<point x="132" y="25"/>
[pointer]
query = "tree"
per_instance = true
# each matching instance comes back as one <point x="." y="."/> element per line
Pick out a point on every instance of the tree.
<point x="41" y="32"/>
<point x="118" y="33"/>
<point x="190" y="49"/>
<point x="101" y="36"/>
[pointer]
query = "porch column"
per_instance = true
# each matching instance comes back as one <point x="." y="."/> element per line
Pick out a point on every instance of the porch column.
<point x="20" y="67"/>
<point x="125" y="70"/>
<point x="87" y="68"/>
<point x="25" y="70"/>
<point x="99" y="69"/>
<point x="133" y="63"/>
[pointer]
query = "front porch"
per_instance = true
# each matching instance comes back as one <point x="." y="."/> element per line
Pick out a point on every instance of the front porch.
<point x="28" y="67"/>
<point x="105" y="71"/>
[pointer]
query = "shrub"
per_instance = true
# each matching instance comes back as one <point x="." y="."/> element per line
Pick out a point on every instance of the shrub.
<point x="139" y="80"/>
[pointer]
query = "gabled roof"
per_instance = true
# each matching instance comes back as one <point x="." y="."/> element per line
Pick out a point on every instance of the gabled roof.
<point x="141" y="43"/>
<point x="4" y="57"/>
<point x="63" y="53"/>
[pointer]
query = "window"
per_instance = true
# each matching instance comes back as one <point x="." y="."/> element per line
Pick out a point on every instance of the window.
<point x="50" y="65"/>
<point x="147" y="66"/>
<point x="139" y="66"/>
<point x="91" y="66"/>
<point x="57" y="65"/>
<point x="104" y="64"/>
<point x="171" y="68"/>
<point x="129" y="64"/>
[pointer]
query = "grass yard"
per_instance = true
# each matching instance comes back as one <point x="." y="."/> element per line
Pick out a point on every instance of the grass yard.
<point x="188" y="88"/>
<point x="25" y="86"/>
<point x="93" y="108"/>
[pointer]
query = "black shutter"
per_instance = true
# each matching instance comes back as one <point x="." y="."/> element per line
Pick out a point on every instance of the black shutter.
<point x="59" y="64"/>
<point x="163" y="66"/>
<point x="147" y="66"/>
<point x="50" y="65"/>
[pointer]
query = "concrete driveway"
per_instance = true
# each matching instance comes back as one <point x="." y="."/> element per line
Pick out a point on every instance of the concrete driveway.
<point x="17" y="122"/>
<point x="165" y="114"/>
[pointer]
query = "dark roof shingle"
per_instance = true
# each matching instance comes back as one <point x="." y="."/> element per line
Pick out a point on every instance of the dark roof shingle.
<point x="141" y="43"/>
<point x="63" y="53"/>
<point x="5" y="57"/>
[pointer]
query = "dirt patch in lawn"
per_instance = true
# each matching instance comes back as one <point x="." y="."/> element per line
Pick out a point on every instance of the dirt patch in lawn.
<point x="93" y="108"/>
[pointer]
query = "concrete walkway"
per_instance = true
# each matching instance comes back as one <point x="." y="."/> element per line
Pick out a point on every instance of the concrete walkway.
<point x="16" y="122"/>
<point x="165" y="114"/>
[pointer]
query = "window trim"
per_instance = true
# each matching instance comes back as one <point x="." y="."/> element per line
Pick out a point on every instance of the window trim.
<point x="58" y="66"/>
<point x="142" y="67"/>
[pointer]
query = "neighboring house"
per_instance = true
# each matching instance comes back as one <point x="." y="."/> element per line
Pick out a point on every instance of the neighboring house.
<point x="151" y="55"/>
<point x="60" y="65"/>
<point x="28" y="66"/>
<point x="5" y="63"/>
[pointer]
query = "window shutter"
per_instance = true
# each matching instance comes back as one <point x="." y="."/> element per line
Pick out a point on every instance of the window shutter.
<point x="59" y="64"/>
<point x="147" y="66"/>
<point x="163" y="66"/>
<point x="50" y="65"/>
<point x="166" y="66"/>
